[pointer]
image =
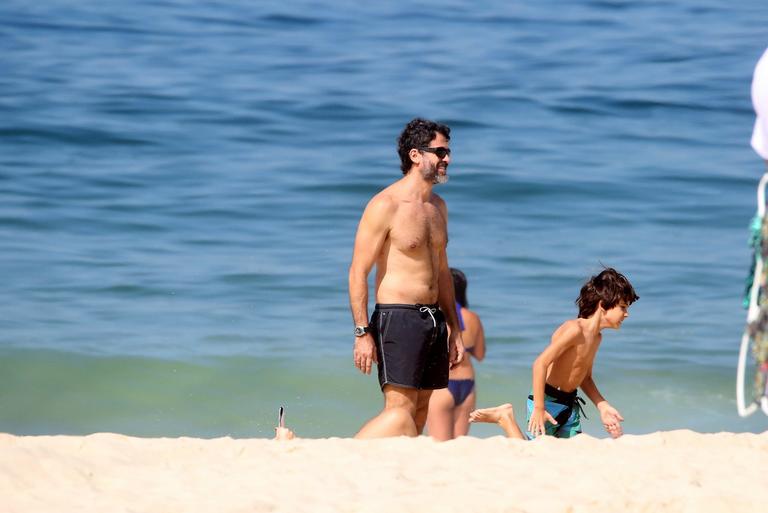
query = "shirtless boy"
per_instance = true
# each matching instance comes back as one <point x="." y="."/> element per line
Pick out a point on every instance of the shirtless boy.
<point x="403" y="232"/>
<point x="566" y="364"/>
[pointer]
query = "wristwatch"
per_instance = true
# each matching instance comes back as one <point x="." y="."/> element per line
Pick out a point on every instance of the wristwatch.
<point x="362" y="330"/>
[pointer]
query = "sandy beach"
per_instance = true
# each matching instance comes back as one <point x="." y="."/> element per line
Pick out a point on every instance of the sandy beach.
<point x="677" y="471"/>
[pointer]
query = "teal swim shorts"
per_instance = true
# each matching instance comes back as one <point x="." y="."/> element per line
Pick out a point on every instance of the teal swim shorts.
<point x="566" y="409"/>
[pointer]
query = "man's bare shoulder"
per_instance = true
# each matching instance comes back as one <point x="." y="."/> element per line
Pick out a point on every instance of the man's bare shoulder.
<point x="383" y="202"/>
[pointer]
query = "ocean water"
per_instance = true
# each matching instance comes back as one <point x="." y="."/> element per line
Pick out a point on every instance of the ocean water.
<point x="181" y="183"/>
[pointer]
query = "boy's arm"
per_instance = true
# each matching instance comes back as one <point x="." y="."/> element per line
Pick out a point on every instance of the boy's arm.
<point x="590" y="389"/>
<point x="564" y="337"/>
<point x="609" y="415"/>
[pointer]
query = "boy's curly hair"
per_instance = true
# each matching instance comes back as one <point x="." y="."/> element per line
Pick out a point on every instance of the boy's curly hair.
<point x="609" y="287"/>
<point x="417" y="134"/>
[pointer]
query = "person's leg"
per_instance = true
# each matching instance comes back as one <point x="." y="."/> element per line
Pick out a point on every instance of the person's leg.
<point x="422" y="408"/>
<point x="401" y="422"/>
<point x="570" y="427"/>
<point x="440" y="417"/>
<point x="553" y="408"/>
<point x="433" y="376"/>
<point x="461" y="415"/>
<point x="502" y="415"/>
<point x="390" y="422"/>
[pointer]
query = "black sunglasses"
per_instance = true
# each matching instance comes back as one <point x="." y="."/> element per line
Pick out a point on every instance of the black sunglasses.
<point x="441" y="151"/>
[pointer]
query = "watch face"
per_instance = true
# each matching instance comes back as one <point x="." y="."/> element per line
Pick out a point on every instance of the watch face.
<point x="359" y="331"/>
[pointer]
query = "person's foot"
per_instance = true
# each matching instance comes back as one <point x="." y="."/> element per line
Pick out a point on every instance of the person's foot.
<point x="502" y="415"/>
<point x="493" y="415"/>
<point x="282" y="433"/>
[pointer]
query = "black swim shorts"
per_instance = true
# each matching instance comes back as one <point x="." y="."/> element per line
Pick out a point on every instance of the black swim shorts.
<point x="412" y="345"/>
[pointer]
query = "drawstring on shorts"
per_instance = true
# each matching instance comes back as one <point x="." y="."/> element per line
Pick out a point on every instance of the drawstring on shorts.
<point x="431" y="312"/>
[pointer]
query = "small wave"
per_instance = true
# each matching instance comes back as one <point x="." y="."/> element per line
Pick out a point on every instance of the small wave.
<point x="23" y="223"/>
<point x="292" y="20"/>
<point x="131" y="290"/>
<point x="71" y="135"/>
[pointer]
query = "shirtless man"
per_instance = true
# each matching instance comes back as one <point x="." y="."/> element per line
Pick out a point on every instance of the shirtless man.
<point x="403" y="231"/>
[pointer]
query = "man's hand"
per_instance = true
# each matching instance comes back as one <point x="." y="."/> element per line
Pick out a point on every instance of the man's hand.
<point x="455" y="349"/>
<point x="611" y="419"/>
<point x="364" y="353"/>
<point x="538" y="420"/>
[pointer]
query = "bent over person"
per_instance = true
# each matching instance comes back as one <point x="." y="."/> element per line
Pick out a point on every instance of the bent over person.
<point x="403" y="231"/>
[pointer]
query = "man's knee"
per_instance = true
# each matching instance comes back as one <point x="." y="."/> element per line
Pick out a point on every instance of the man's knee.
<point x="400" y="420"/>
<point x="390" y="422"/>
<point x="402" y="398"/>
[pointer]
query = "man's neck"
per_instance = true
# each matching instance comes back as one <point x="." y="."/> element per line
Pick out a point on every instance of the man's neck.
<point x="416" y="184"/>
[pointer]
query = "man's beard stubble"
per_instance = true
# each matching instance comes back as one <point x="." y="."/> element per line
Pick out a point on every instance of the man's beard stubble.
<point x="434" y="175"/>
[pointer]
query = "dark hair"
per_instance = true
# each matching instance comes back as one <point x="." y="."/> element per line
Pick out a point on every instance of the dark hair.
<point x="460" y="287"/>
<point x="609" y="287"/>
<point x="418" y="134"/>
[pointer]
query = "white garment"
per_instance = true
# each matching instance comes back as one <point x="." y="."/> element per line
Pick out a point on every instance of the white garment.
<point x="760" y="103"/>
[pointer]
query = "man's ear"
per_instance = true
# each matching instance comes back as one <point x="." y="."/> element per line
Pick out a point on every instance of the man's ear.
<point x="415" y="155"/>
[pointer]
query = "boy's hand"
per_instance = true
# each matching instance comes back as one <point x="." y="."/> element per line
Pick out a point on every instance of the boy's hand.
<point x="611" y="419"/>
<point x="537" y="423"/>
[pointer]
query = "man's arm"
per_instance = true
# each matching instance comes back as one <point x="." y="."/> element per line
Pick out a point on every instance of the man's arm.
<point x="608" y="414"/>
<point x="447" y="301"/>
<point x="371" y="234"/>
<point x="564" y="337"/>
<point x="446" y="298"/>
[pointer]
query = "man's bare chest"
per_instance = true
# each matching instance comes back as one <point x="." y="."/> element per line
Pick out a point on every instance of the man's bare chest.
<point x="418" y="226"/>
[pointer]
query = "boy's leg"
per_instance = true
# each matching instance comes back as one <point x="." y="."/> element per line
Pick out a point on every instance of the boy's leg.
<point x="571" y="427"/>
<point x="502" y="415"/>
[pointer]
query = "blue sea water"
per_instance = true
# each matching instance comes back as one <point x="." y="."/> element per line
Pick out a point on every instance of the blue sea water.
<point x="181" y="183"/>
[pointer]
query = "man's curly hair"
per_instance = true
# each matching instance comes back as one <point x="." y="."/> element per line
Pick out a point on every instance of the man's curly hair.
<point x="418" y="134"/>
